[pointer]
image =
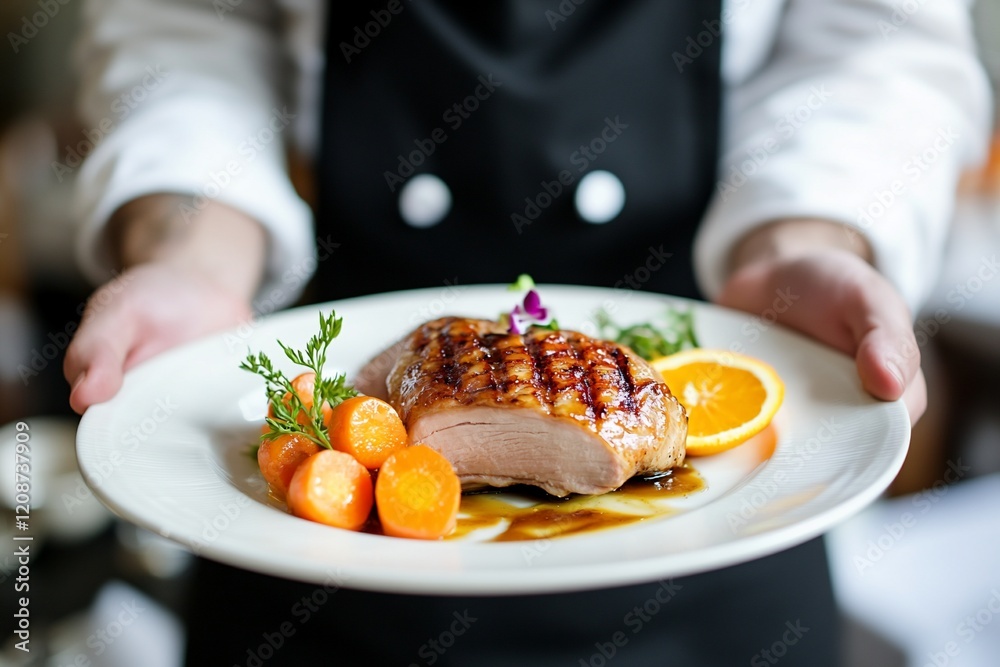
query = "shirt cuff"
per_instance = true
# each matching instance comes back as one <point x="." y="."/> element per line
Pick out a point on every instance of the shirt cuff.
<point x="242" y="167"/>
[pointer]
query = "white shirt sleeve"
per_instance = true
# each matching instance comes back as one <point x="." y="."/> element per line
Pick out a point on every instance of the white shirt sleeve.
<point x="186" y="96"/>
<point x="864" y="112"/>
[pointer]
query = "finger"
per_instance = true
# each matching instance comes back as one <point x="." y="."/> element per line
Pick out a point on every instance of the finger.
<point x="887" y="355"/>
<point x="95" y="360"/>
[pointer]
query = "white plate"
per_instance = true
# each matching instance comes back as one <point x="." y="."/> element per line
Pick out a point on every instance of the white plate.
<point x="169" y="453"/>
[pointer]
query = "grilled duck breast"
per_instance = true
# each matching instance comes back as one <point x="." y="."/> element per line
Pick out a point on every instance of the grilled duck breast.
<point x="554" y="409"/>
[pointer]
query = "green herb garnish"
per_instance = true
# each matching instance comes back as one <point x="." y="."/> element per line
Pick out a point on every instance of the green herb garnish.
<point x="650" y="340"/>
<point x="523" y="283"/>
<point x="288" y="406"/>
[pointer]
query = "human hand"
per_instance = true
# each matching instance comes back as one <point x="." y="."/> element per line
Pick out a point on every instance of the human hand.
<point x="842" y="302"/>
<point x="182" y="280"/>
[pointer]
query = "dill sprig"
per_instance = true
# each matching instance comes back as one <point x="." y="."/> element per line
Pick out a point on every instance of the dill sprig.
<point x="288" y="407"/>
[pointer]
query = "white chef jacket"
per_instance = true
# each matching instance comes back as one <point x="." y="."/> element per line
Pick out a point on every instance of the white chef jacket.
<point x="862" y="112"/>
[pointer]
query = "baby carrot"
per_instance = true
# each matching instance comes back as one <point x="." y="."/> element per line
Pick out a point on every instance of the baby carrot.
<point x="279" y="457"/>
<point x="304" y="385"/>
<point x="417" y="494"/>
<point x="368" y="429"/>
<point x="331" y="487"/>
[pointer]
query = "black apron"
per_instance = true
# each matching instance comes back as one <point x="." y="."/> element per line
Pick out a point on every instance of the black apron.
<point x="538" y="98"/>
<point x="546" y="92"/>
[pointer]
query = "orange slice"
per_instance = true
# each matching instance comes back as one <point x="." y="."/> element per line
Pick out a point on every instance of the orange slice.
<point x="729" y="397"/>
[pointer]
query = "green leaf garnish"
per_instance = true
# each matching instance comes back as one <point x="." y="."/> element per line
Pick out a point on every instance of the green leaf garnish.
<point x="650" y="340"/>
<point x="332" y="391"/>
<point x="523" y="283"/>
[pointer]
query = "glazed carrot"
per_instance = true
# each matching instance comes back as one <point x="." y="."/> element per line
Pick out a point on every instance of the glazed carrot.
<point x="331" y="487"/>
<point x="304" y="385"/>
<point x="368" y="429"/>
<point x="279" y="457"/>
<point x="417" y="494"/>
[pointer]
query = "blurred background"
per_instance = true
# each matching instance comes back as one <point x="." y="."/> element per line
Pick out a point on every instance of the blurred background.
<point x="906" y="598"/>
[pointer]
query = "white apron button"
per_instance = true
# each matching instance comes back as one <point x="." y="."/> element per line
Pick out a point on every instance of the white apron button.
<point x="424" y="201"/>
<point x="600" y="197"/>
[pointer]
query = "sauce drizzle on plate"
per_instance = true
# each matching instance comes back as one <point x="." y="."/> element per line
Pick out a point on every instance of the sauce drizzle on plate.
<point x="524" y="513"/>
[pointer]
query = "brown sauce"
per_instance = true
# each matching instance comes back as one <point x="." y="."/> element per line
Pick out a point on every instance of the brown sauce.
<point x="549" y="516"/>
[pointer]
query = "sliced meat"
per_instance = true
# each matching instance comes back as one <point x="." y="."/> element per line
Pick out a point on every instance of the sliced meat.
<point x="554" y="409"/>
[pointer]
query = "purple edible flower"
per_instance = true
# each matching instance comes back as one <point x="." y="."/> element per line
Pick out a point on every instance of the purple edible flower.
<point x="533" y="305"/>
<point x="529" y="312"/>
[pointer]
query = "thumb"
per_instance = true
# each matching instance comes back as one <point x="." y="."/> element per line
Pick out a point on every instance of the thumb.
<point x="886" y="354"/>
<point x="95" y="360"/>
<point x="888" y="362"/>
<point x="885" y="369"/>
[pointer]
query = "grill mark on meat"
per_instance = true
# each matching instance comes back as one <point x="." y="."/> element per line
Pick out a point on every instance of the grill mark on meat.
<point x="541" y="377"/>
<point x="628" y="397"/>
<point x="448" y="373"/>
<point x="587" y="394"/>
<point x="489" y="357"/>
<point x="518" y="372"/>
<point x="503" y="374"/>
<point x="593" y="381"/>
<point x="563" y="373"/>
<point x="498" y="377"/>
